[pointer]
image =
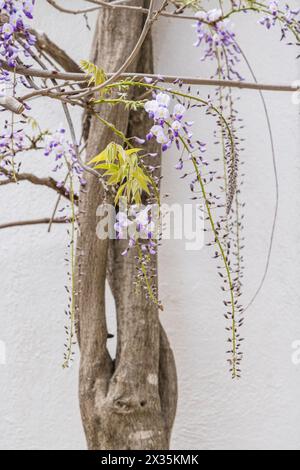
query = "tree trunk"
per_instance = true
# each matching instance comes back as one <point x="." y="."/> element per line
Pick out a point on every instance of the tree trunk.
<point x="128" y="402"/>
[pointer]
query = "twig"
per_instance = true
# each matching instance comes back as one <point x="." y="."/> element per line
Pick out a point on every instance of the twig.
<point x="75" y="144"/>
<point x="117" y="5"/>
<point x="72" y="12"/>
<point x="147" y="26"/>
<point x="274" y="162"/>
<point x="22" y="223"/>
<point x="81" y="77"/>
<point x="33" y="179"/>
<point x="56" y="206"/>
<point x="44" y="44"/>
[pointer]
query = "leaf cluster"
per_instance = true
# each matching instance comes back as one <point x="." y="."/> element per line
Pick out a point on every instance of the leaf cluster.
<point x="123" y="169"/>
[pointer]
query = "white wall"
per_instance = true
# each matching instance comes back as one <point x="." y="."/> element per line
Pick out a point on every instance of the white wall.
<point x="38" y="400"/>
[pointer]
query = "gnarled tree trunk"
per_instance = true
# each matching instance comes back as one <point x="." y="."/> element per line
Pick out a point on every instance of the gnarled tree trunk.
<point x="128" y="402"/>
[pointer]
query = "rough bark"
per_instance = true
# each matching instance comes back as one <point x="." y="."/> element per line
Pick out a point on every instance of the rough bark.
<point x="128" y="402"/>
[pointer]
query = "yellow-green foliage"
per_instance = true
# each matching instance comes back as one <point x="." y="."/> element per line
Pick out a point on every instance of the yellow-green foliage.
<point x="122" y="169"/>
<point x="97" y="76"/>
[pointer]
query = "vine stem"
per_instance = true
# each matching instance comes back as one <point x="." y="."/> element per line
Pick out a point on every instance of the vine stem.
<point x="182" y="95"/>
<point x="223" y="255"/>
<point x="82" y="77"/>
<point x="189" y="97"/>
<point x="148" y="285"/>
<point x="274" y="162"/>
<point x="151" y="17"/>
<point x="72" y="253"/>
<point x="199" y="178"/>
<point x="122" y="136"/>
<point x="13" y="153"/>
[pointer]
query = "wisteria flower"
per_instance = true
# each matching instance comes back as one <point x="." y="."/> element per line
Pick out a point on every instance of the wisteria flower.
<point x="210" y="16"/>
<point x="167" y="125"/>
<point x="57" y="146"/>
<point x="176" y="126"/>
<point x="137" y="224"/>
<point x="163" y="100"/>
<point x="218" y="38"/>
<point x="287" y="18"/>
<point x="16" y="12"/>
<point x="151" y="107"/>
<point x="121" y="226"/>
<point x="179" y="111"/>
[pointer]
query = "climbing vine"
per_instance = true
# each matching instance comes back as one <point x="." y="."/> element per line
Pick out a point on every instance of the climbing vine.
<point x="28" y="72"/>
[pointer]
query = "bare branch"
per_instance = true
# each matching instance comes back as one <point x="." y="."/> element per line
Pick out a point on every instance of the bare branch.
<point x="22" y="223"/>
<point x="120" y="6"/>
<point x="33" y="179"/>
<point x="130" y="59"/>
<point x="43" y="43"/>
<point x="81" y="77"/>
<point x="72" y="12"/>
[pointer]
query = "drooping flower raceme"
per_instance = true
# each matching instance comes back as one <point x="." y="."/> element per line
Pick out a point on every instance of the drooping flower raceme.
<point x="167" y="125"/>
<point x="137" y="224"/>
<point x="11" y="143"/>
<point x="16" y="13"/>
<point x="59" y="147"/>
<point x="217" y="38"/>
<point x="286" y="17"/>
<point x="211" y="16"/>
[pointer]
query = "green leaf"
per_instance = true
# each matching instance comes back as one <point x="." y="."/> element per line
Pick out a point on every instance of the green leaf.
<point x="103" y="166"/>
<point x="101" y="157"/>
<point x="97" y="75"/>
<point x="119" y="193"/>
<point x="131" y="151"/>
<point x="122" y="170"/>
<point x="142" y="182"/>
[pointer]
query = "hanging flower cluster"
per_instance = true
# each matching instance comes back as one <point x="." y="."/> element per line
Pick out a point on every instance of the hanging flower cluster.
<point x="167" y="126"/>
<point x="137" y="225"/>
<point x="15" y="13"/>
<point x="60" y="148"/>
<point x="12" y="143"/>
<point x="218" y="38"/>
<point x="132" y="174"/>
<point x="288" y="18"/>
<point x="6" y="138"/>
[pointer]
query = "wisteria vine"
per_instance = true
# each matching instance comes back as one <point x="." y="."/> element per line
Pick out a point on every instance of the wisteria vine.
<point x="125" y="169"/>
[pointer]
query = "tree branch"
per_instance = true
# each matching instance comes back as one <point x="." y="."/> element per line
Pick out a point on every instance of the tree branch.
<point x="69" y="11"/>
<point x="22" y="223"/>
<point x="117" y="5"/>
<point x="33" y="179"/>
<point x="151" y="17"/>
<point x="81" y="77"/>
<point x="44" y="44"/>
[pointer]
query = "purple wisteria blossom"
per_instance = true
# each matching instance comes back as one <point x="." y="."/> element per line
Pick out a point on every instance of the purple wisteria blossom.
<point x="137" y="224"/>
<point x="7" y="139"/>
<point x="57" y="146"/>
<point x="217" y="38"/>
<point x="11" y="143"/>
<point x="167" y="125"/>
<point x="16" y="13"/>
<point x="286" y="17"/>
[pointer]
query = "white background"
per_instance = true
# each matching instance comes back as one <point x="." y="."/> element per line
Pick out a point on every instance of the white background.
<point x="38" y="400"/>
